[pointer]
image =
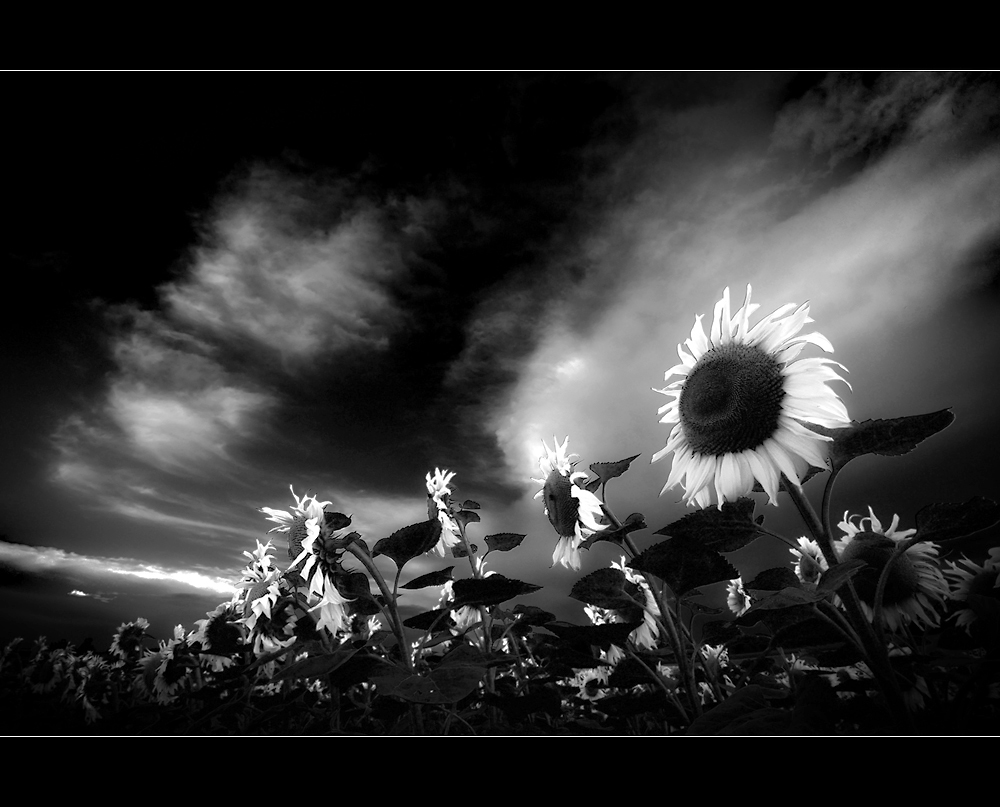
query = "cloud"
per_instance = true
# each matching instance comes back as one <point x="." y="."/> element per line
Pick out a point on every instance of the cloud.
<point x="99" y="572"/>
<point x="875" y="251"/>
<point x="292" y="267"/>
<point x="290" y="274"/>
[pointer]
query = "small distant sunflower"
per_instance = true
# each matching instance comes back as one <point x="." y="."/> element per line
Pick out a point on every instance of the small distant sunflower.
<point x="810" y="563"/>
<point x="439" y="507"/>
<point x="127" y="642"/>
<point x="967" y="577"/>
<point x="573" y="511"/>
<point x="915" y="586"/>
<point x="743" y="402"/>
<point x="738" y="598"/>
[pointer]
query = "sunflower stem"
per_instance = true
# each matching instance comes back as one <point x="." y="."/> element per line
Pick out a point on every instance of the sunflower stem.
<point x="875" y="649"/>
<point x="397" y="626"/>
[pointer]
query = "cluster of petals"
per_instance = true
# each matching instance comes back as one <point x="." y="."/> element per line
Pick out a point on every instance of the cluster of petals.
<point x="573" y="511"/>
<point x="792" y="447"/>
<point x="439" y="506"/>
<point x="930" y="589"/>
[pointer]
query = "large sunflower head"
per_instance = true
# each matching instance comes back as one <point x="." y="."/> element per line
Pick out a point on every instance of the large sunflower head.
<point x="742" y="402"/>
<point x="915" y="586"/>
<point x="573" y="511"/>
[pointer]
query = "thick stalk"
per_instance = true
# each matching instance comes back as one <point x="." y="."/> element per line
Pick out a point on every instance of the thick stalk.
<point x="393" y="613"/>
<point x="878" y="657"/>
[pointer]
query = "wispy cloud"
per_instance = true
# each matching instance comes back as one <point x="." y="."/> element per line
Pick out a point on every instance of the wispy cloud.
<point x="99" y="573"/>
<point x="289" y="275"/>
<point x="881" y="246"/>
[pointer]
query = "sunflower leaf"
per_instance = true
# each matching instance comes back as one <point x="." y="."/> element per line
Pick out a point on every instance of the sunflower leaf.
<point x="491" y="590"/>
<point x="438" y="619"/>
<point x="950" y="521"/>
<point x="724" y="530"/>
<point x="458" y="674"/>
<point x="635" y="521"/>
<point x="438" y="578"/>
<point x="684" y="562"/>
<point x="316" y="666"/>
<point x="465" y="517"/>
<point x="604" y="588"/>
<point x="888" y="438"/>
<point x="409" y="542"/>
<point x="832" y="579"/>
<point x="609" y="470"/>
<point x="774" y="580"/>
<point x="503" y="541"/>
<point x="602" y="636"/>
<point x="468" y="504"/>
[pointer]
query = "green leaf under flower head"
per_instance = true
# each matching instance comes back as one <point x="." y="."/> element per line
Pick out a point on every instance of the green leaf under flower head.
<point x="602" y="636"/>
<point x="456" y="676"/>
<point x="684" y="562"/>
<point x="609" y="470"/>
<point x="774" y="580"/>
<point x="946" y="522"/>
<point x="438" y="578"/>
<point x="635" y="521"/>
<point x="888" y="438"/>
<point x="491" y="590"/>
<point x="465" y="517"/>
<point x="336" y="521"/>
<point x="725" y="530"/>
<point x="409" y="542"/>
<point x="503" y="541"/>
<point x="317" y="666"/>
<point x="833" y="578"/>
<point x="438" y="619"/>
<point x="604" y="588"/>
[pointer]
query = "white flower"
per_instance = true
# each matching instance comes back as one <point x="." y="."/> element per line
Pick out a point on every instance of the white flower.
<point x="439" y="506"/>
<point x="572" y="510"/>
<point x="740" y="410"/>
<point x="738" y="598"/>
<point x="915" y="586"/>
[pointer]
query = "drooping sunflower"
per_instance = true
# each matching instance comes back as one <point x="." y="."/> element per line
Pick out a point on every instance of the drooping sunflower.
<point x="439" y="507"/>
<point x="915" y="586"/>
<point x="970" y="578"/>
<point x="742" y="404"/>
<point x="809" y="561"/>
<point x="737" y="597"/>
<point x="573" y="511"/>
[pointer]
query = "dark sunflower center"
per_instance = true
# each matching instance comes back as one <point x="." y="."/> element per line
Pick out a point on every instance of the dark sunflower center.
<point x="731" y="400"/>
<point x="560" y="505"/>
<point x="875" y="549"/>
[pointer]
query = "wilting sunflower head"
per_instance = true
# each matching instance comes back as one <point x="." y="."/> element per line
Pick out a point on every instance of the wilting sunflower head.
<point x="914" y="587"/>
<point x="741" y="406"/>
<point x="439" y="507"/>
<point x="809" y="561"/>
<point x="572" y="510"/>
<point x="737" y="597"/>
<point x="967" y="578"/>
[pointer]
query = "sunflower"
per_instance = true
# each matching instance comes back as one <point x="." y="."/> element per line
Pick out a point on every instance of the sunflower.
<point x="969" y="578"/>
<point x="915" y="586"/>
<point x="315" y="553"/>
<point x="809" y="561"/>
<point x="573" y="511"/>
<point x="743" y="402"/>
<point x="439" y="507"/>
<point x="737" y="597"/>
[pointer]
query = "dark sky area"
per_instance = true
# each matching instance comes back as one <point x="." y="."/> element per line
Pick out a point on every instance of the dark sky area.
<point x="223" y="284"/>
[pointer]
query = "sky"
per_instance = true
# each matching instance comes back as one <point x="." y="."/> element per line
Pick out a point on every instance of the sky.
<point x="224" y="284"/>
